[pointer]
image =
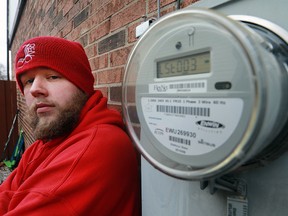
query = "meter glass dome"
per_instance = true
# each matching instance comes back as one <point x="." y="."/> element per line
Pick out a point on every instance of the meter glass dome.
<point x="202" y="94"/>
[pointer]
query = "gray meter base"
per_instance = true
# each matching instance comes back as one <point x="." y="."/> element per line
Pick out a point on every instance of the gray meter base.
<point x="266" y="193"/>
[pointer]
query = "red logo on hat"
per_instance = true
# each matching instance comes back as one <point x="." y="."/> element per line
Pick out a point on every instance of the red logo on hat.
<point x="29" y="50"/>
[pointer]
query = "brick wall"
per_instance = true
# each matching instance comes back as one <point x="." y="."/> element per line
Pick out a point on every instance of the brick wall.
<point x="106" y="29"/>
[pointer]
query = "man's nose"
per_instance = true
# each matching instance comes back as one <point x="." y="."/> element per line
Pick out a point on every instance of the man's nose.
<point x="38" y="88"/>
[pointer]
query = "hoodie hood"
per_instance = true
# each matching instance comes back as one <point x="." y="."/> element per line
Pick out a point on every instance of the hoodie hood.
<point x="95" y="112"/>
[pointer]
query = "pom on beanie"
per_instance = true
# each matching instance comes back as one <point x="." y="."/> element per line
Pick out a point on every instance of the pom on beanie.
<point x="66" y="57"/>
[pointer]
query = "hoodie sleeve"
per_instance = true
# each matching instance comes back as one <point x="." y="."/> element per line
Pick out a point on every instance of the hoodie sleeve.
<point x="11" y="185"/>
<point x="92" y="173"/>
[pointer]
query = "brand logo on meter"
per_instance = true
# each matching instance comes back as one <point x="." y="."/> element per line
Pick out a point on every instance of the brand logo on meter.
<point x="210" y="124"/>
<point x="160" y="88"/>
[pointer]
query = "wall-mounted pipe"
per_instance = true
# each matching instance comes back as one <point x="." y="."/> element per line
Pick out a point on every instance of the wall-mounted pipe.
<point x="178" y="4"/>
<point x="158" y="9"/>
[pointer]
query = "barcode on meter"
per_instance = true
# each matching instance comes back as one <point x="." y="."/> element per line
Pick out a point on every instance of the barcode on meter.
<point x="180" y="140"/>
<point x="196" y="111"/>
<point x="187" y="85"/>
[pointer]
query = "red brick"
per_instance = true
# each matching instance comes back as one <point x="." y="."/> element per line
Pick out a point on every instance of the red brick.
<point x="128" y="15"/>
<point x="100" y="31"/>
<point x="81" y="17"/>
<point x="152" y="4"/>
<point x="94" y="62"/>
<point x="67" y="29"/>
<point x="99" y="62"/>
<point x="46" y="5"/>
<point x="94" y="20"/>
<point x="103" y="11"/>
<point x="119" y="57"/>
<point x="95" y="78"/>
<point x="74" y="34"/>
<point x="62" y="23"/>
<point x="187" y="3"/>
<point x="67" y="6"/>
<point x="98" y="4"/>
<point x="168" y="10"/>
<point x="110" y="76"/>
<point x="84" y="3"/>
<point x="54" y="32"/>
<point x="73" y="11"/>
<point x="79" y="30"/>
<point x="103" y="61"/>
<point x="84" y="27"/>
<point x="102" y="15"/>
<point x="91" y="50"/>
<point x="112" y="42"/>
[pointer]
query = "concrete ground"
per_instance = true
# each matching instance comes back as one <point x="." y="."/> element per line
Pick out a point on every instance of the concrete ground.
<point x="4" y="173"/>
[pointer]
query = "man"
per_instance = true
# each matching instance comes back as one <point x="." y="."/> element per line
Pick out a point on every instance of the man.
<point x="82" y="162"/>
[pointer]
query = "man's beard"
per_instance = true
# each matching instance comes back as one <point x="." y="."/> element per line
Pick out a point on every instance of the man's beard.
<point x="65" y="121"/>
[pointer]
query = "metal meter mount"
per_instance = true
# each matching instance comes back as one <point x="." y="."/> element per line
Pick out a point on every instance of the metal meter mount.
<point x="204" y="93"/>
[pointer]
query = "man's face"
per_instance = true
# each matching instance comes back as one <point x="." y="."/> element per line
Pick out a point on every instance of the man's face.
<point x="54" y="102"/>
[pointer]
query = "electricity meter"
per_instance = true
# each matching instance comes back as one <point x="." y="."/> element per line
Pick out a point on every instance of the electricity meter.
<point x="204" y="93"/>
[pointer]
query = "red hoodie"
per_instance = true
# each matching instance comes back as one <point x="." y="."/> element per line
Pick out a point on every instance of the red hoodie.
<point x="92" y="171"/>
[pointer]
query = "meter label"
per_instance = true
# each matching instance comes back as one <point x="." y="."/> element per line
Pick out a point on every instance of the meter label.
<point x="192" y="126"/>
<point x="195" y="86"/>
<point x="237" y="206"/>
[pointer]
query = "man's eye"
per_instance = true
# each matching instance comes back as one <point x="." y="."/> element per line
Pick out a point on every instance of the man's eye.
<point x="29" y="81"/>
<point x="53" y="77"/>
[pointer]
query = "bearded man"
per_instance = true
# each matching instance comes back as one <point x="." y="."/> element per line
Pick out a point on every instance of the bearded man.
<point x="82" y="162"/>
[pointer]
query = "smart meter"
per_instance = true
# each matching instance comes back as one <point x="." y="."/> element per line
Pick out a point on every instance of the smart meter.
<point x="204" y="93"/>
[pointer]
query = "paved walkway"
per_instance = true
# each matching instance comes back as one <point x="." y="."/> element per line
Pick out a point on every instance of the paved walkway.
<point x="4" y="173"/>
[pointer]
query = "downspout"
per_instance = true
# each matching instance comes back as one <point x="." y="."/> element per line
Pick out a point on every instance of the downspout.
<point x="17" y="21"/>
<point x="10" y="37"/>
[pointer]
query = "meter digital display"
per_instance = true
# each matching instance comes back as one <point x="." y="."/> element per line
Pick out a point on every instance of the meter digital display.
<point x="204" y="93"/>
<point x="182" y="66"/>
